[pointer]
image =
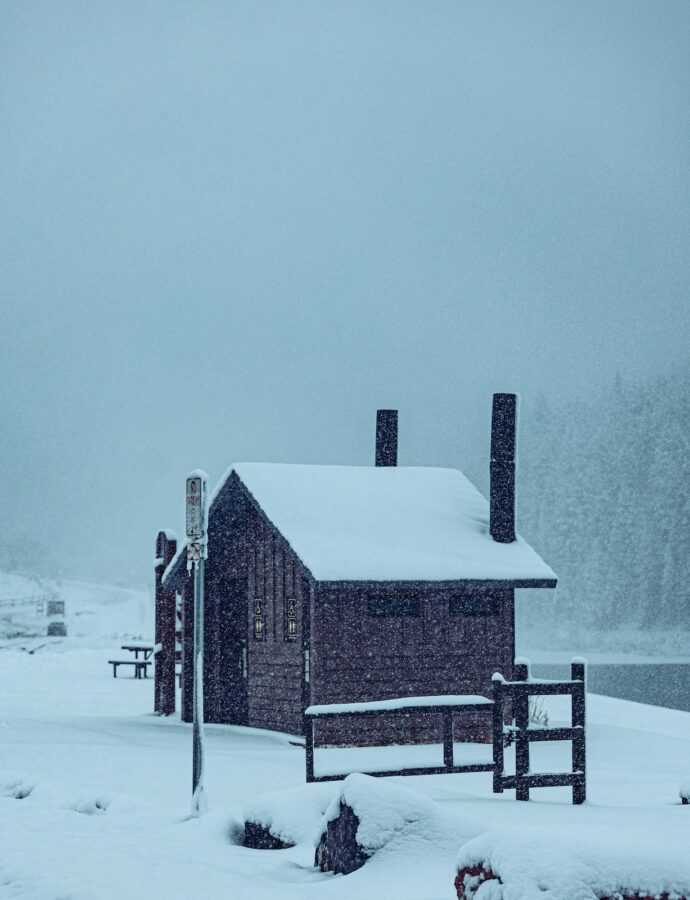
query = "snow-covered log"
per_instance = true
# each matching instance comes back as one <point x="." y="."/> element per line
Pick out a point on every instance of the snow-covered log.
<point x="605" y="863"/>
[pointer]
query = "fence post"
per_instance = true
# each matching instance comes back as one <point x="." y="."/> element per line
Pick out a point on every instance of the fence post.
<point x="448" y="738"/>
<point x="578" y="673"/>
<point x="309" y="746"/>
<point x="521" y="701"/>
<point x="497" y="729"/>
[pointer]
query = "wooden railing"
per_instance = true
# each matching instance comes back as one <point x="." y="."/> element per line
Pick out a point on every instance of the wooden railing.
<point x="518" y="693"/>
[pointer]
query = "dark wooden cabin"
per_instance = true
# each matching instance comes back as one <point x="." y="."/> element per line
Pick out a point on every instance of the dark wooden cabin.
<point x="328" y="584"/>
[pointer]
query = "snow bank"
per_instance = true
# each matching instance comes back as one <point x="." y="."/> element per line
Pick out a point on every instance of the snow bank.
<point x="574" y="863"/>
<point x="292" y="816"/>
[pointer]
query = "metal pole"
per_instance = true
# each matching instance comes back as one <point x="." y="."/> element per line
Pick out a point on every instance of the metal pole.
<point x="198" y="798"/>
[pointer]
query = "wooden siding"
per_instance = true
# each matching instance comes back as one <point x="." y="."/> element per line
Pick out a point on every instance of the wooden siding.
<point x="275" y="663"/>
<point x="247" y="681"/>
<point x="357" y="656"/>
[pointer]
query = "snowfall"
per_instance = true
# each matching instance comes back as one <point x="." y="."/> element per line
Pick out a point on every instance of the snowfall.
<point x="95" y="790"/>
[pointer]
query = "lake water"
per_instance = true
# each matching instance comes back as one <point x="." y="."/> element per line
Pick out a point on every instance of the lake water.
<point x="661" y="684"/>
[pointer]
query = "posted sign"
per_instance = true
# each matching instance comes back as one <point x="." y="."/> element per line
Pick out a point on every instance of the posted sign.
<point x="196" y="507"/>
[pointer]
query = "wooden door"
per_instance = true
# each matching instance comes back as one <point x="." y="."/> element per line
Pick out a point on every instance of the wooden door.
<point x="232" y="662"/>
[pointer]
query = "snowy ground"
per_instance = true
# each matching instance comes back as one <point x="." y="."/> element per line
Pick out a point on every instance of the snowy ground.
<point x="95" y="790"/>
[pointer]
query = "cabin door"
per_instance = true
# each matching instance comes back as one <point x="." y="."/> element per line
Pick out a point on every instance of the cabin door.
<point x="232" y="669"/>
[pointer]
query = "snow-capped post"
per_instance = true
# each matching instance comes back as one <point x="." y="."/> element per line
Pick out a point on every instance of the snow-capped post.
<point x="386" y="437"/>
<point x="502" y="470"/>
<point x="164" y="649"/>
<point x="197" y="551"/>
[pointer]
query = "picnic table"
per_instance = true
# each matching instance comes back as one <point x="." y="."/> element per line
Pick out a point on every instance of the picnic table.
<point x="140" y="666"/>
<point x="137" y="647"/>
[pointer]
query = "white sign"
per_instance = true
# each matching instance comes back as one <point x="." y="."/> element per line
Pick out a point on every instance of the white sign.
<point x="196" y="507"/>
<point x="194" y="552"/>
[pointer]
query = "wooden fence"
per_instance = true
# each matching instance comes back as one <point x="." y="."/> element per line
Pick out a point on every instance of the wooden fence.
<point x="518" y="693"/>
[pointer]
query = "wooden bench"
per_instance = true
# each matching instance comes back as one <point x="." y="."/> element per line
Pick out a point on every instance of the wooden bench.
<point x="443" y="707"/>
<point x="140" y="666"/>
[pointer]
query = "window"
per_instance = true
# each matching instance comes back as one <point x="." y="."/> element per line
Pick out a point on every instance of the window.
<point x="259" y="620"/>
<point x="393" y="605"/>
<point x="291" y="620"/>
<point x="473" y="603"/>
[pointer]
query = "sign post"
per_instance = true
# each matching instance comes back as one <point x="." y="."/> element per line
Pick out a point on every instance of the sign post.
<point x="197" y="551"/>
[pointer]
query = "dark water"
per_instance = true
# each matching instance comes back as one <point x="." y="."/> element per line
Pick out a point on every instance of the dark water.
<point x="661" y="684"/>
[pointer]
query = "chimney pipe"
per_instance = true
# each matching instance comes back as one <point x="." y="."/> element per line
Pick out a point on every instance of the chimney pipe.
<point x="502" y="470"/>
<point x="387" y="437"/>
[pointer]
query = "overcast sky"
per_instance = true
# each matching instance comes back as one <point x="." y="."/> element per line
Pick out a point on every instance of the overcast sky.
<point x="231" y="230"/>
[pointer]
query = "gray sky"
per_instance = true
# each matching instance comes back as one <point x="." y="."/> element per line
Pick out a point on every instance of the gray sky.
<point x="231" y="230"/>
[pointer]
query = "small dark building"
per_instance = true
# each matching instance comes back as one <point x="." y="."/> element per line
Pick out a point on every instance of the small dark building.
<point x="328" y="584"/>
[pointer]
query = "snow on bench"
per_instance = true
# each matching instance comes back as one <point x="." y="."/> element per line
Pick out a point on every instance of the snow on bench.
<point x="397" y="704"/>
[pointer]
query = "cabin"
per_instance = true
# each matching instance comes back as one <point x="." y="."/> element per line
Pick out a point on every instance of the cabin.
<point x="329" y="584"/>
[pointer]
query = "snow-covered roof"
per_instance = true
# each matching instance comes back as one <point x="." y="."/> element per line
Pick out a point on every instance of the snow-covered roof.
<point x="367" y="523"/>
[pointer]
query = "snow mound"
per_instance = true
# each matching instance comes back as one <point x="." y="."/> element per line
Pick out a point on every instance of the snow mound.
<point x="18" y="788"/>
<point x="574" y="863"/>
<point x="291" y="816"/>
<point x="93" y="806"/>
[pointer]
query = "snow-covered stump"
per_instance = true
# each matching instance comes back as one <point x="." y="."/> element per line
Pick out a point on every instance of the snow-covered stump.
<point x="368" y="814"/>
<point x="470" y="878"/>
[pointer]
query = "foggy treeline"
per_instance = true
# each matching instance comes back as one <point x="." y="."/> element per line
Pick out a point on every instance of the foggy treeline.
<point x="605" y="497"/>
